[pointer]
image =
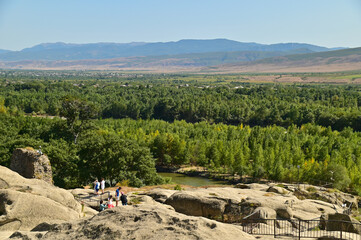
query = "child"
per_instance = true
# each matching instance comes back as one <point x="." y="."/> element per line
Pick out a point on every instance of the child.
<point x="124" y="199"/>
<point x="110" y="202"/>
<point x="102" y="206"/>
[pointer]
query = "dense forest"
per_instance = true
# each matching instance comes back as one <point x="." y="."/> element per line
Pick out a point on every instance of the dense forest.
<point x="120" y="128"/>
<point x="229" y="103"/>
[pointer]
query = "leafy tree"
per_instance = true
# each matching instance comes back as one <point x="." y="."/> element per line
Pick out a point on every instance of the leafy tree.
<point x="77" y="114"/>
<point x="116" y="159"/>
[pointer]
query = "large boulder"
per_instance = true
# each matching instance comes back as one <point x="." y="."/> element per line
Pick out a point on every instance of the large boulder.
<point x="31" y="164"/>
<point x="262" y="213"/>
<point x="160" y="195"/>
<point x="348" y="223"/>
<point x="23" y="211"/>
<point x="212" y="206"/>
<point x="197" y="206"/>
<point x="284" y="212"/>
<point x="145" y="222"/>
<point x="279" y="190"/>
<point x="24" y="203"/>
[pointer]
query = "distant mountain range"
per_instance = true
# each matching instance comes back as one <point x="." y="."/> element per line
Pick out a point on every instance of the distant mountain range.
<point x="205" y="56"/>
<point x="65" y="51"/>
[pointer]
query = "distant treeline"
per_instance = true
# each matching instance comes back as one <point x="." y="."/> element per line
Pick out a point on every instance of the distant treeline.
<point x="337" y="107"/>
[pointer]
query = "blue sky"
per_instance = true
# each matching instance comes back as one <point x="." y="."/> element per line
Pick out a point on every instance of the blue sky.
<point x="330" y="23"/>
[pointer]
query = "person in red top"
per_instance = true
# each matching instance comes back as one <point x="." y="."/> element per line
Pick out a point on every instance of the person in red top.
<point x="110" y="202"/>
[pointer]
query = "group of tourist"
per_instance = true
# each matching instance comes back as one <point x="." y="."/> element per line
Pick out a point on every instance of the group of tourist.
<point x="98" y="185"/>
<point x="119" y="195"/>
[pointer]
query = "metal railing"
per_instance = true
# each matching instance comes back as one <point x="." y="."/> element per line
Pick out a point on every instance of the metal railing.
<point x="303" y="228"/>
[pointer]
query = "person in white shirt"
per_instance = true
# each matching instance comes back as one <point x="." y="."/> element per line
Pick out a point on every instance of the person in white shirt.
<point x="102" y="185"/>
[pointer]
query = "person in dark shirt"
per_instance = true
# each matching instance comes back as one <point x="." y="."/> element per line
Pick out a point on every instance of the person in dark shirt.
<point x="124" y="199"/>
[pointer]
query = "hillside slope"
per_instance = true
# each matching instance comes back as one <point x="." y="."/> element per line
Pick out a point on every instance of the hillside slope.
<point x="339" y="60"/>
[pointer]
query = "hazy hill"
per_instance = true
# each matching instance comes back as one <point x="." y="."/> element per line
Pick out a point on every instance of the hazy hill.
<point x="65" y="51"/>
<point x="338" y="60"/>
<point x="165" y="61"/>
<point x="4" y="51"/>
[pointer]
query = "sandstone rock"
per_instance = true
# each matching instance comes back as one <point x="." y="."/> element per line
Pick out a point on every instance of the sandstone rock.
<point x="46" y="226"/>
<point x="263" y="213"/>
<point x="160" y="195"/>
<point x="38" y="187"/>
<point x="310" y="209"/>
<point x="145" y="222"/>
<point x="197" y="206"/>
<point x="258" y="186"/>
<point x="323" y="221"/>
<point x="242" y="186"/>
<point x="240" y="203"/>
<point x="25" y="203"/>
<point x="233" y="211"/>
<point x="346" y="226"/>
<point x="301" y="194"/>
<point x="328" y="195"/>
<point x="249" y="205"/>
<point x="279" y="190"/>
<point x="30" y="164"/>
<point x="144" y="199"/>
<point x="81" y="192"/>
<point x="26" y="235"/>
<point x="284" y="212"/>
<point x="23" y="211"/>
<point x="348" y="199"/>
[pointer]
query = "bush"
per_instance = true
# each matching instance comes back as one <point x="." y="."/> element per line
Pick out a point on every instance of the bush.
<point x="311" y="189"/>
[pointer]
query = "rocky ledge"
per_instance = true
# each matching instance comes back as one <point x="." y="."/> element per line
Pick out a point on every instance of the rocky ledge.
<point x="34" y="209"/>
<point x="25" y="203"/>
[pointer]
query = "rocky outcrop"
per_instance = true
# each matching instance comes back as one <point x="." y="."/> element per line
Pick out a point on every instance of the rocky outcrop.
<point x="25" y="203"/>
<point x="144" y="222"/>
<point x="332" y="196"/>
<point x="21" y="210"/>
<point x="31" y="164"/>
<point x="233" y="204"/>
<point x="197" y="206"/>
<point x="52" y="213"/>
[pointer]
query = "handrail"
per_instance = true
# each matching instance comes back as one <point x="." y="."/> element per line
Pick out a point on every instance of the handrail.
<point x="298" y="228"/>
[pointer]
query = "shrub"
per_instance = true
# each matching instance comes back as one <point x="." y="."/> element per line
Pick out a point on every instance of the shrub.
<point x="311" y="189"/>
